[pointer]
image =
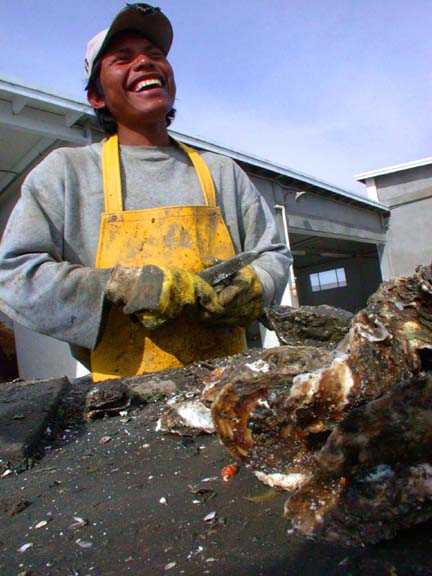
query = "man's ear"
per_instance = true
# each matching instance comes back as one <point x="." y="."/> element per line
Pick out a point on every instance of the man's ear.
<point x="95" y="100"/>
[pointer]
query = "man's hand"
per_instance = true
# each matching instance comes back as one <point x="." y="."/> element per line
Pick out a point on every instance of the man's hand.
<point x="239" y="303"/>
<point x="155" y="295"/>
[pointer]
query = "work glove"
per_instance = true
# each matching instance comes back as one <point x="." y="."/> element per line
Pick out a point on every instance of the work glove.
<point x="239" y="302"/>
<point x="153" y="295"/>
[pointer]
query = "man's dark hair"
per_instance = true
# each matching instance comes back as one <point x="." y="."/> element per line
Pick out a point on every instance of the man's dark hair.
<point x="104" y="116"/>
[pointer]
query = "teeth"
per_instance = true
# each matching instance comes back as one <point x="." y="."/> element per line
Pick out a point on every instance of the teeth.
<point x="146" y="83"/>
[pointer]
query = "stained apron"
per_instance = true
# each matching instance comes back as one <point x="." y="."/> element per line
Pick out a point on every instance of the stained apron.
<point x="188" y="237"/>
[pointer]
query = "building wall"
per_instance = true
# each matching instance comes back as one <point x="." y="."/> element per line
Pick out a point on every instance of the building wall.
<point x="326" y="216"/>
<point x="320" y="215"/>
<point x="7" y="203"/>
<point x="40" y="356"/>
<point x="409" y="239"/>
<point x="363" y="277"/>
<point x="408" y="194"/>
<point x="404" y="185"/>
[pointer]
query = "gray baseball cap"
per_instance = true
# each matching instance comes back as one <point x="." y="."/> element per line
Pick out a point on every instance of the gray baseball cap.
<point x="142" y="18"/>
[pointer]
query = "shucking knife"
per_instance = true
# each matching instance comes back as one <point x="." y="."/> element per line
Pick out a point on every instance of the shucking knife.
<point x="224" y="270"/>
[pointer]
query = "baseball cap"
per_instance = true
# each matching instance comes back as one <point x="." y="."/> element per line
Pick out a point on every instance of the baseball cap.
<point x="142" y="18"/>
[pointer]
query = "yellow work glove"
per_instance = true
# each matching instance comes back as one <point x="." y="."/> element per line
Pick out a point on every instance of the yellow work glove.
<point x="241" y="300"/>
<point x="155" y="294"/>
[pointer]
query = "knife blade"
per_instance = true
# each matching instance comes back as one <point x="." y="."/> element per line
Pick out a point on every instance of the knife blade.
<point x="222" y="271"/>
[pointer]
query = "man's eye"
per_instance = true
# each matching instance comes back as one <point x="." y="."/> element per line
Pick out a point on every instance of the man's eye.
<point x="157" y="54"/>
<point x="119" y="58"/>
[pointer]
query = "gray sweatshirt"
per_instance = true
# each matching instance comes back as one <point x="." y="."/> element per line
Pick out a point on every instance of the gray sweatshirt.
<point x="48" y="281"/>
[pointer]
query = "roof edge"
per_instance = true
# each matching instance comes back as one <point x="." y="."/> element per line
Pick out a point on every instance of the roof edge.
<point x="271" y="166"/>
<point x="31" y="91"/>
<point x="395" y="168"/>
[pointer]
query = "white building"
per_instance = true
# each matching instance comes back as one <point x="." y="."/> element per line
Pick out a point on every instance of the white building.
<point x="406" y="190"/>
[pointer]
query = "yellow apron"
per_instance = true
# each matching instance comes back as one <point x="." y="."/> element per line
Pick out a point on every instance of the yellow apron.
<point x="187" y="237"/>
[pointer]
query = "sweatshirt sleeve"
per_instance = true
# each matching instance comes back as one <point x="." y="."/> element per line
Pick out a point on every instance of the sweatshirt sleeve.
<point x="38" y="287"/>
<point x="258" y="231"/>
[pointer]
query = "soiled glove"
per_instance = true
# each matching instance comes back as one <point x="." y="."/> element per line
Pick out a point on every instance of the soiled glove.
<point x="241" y="300"/>
<point x="155" y="295"/>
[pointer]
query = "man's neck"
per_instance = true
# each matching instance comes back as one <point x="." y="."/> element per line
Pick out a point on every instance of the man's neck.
<point x="151" y="136"/>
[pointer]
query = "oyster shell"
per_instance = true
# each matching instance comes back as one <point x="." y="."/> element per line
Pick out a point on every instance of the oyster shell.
<point x="107" y="397"/>
<point x="318" y="420"/>
<point x="396" y="427"/>
<point x="372" y="506"/>
<point x="187" y="418"/>
<point x="309" y="325"/>
<point x="375" y="472"/>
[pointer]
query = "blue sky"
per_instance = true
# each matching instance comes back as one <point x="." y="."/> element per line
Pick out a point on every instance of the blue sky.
<point x="330" y="88"/>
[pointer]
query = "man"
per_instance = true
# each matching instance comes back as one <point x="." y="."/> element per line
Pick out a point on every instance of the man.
<point x="104" y="247"/>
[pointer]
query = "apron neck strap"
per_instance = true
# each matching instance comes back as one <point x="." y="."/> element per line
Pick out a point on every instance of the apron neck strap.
<point x="203" y="173"/>
<point x="112" y="178"/>
<point x="111" y="175"/>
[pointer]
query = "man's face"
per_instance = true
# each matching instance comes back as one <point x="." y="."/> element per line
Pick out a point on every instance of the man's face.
<point x="137" y="82"/>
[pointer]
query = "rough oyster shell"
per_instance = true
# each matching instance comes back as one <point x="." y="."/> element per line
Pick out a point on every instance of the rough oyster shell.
<point x="293" y="421"/>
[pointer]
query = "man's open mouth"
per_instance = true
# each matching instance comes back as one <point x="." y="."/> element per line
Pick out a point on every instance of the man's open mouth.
<point x="146" y="84"/>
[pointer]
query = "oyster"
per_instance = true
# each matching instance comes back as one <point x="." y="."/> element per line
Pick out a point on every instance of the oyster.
<point x="107" y="398"/>
<point x="375" y="474"/>
<point x="370" y="507"/>
<point x="309" y="325"/>
<point x="293" y="424"/>
<point x="187" y="418"/>
<point x="396" y="427"/>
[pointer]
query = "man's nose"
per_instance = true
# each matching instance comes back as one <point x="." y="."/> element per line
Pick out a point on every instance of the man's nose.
<point x="142" y="61"/>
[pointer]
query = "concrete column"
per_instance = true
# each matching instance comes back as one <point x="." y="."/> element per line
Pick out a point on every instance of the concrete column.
<point x="289" y="298"/>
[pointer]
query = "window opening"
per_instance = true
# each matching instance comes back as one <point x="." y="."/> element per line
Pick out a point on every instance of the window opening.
<point x="328" y="279"/>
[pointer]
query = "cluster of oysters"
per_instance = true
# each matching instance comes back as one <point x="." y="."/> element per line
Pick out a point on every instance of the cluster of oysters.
<point x="339" y="415"/>
<point x="345" y="423"/>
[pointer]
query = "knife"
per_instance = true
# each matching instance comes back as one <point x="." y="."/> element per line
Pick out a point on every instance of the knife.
<point x="222" y="271"/>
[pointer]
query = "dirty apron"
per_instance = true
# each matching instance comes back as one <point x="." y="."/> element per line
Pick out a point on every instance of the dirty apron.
<point x="187" y="237"/>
